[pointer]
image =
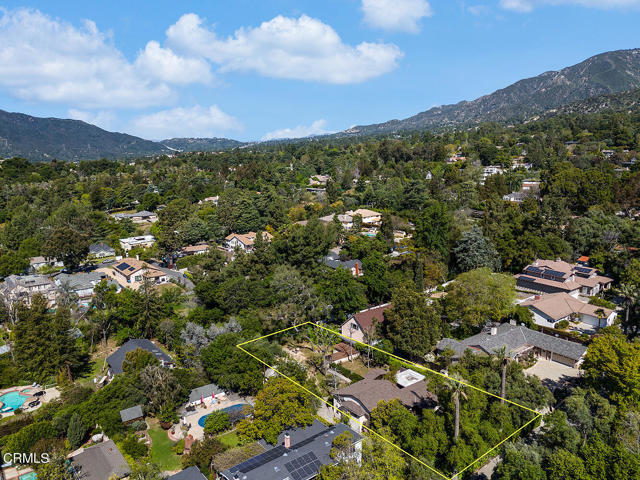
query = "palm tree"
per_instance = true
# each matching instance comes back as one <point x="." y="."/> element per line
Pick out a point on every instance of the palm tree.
<point x="454" y="384"/>
<point x="503" y="359"/>
<point x="631" y="294"/>
<point x="600" y="314"/>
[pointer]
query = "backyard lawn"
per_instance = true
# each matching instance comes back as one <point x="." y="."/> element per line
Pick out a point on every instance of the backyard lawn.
<point x="161" y="453"/>
<point x="229" y="439"/>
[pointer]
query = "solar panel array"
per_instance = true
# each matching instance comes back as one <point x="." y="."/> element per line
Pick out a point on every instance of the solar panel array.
<point x="123" y="266"/>
<point x="533" y="269"/>
<point x="527" y="279"/>
<point x="556" y="273"/>
<point x="303" y="467"/>
<point x="583" y="269"/>
<point x="259" y="460"/>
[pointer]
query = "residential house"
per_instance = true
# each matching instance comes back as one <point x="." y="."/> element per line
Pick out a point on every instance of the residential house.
<point x="529" y="188"/>
<point x="548" y="276"/>
<point x="199" y="249"/>
<point x="354" y="266"/>
<point x="550" y="309"/>
<point x="298" y="455"/>
<point x="191" y="473"/>
<point x="100" y="462"/>
<point x="213" y="200"/>
<point x="519" y="342"/>
<point x="143" y="241"/>
<point x="132" y="415"/>
<point x="36" y="263"/>
<point x="143" y="216"/>
<point x="489" y="171"/>
<point x="244" y="241"/>
<point x="131" y="272"/>
<point x="101" y="250"/>
<point x="205" y="393"/>
<point x="343" y="218"/>
<point x="361" y="326"/>
<point x="22" y="288"/>
<point x="82" y="284"/>
<point x="369" y="217"/>
<point x="319" y="179"/>
<point x="360" y="398"/>
<point x="116" y="359"/>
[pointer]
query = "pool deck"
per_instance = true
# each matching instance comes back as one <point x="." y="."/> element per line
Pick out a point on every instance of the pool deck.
<point x="223" y="402"/>
<point x="11" y="473"/>
<point x="49" y="394"/>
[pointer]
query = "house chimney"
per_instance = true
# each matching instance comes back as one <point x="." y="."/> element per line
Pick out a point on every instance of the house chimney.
<point x="494" y="330"/>
<point x="287" y="440"/>
<point x="137" y="257"/>
<point x="536" y="297"/>
<point x="357" y="269"/>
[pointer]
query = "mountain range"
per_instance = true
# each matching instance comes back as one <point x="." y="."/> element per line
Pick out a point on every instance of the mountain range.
<point x="602" y="74"/>
<point x="609" y="80"/>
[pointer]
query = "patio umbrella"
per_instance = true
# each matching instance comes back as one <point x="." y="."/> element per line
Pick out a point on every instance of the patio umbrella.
<point x="201" y="399"/>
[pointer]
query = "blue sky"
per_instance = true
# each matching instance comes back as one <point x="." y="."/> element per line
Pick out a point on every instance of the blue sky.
<point x="265" y="69"/>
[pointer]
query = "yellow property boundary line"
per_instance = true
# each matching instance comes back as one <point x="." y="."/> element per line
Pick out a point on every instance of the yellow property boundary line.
<point x="425" y="369"/>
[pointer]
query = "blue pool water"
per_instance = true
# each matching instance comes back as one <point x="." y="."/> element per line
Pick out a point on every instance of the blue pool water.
<point x="11" y="401"/>
<point x="28" y="476"/>
<point x="231" y="409"/>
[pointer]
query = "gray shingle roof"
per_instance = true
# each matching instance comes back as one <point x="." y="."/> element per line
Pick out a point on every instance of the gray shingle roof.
<point x="115" y="359"/>
<point x="312" y="445"/>
<point x="204" y="391"/>
<point x="132" y="413"/>
<point x="191" y="473"/>
<point x="514" y="337"/>
<point x="101" y="247"/>
<point x="101" y="462"/>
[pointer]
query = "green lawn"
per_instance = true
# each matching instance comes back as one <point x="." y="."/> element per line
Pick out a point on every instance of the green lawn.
<point x="161" y="453"/>
<point x="229" y="439"/>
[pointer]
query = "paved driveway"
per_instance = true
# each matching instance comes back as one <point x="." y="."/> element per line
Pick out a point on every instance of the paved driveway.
<point x="553" y="374"/>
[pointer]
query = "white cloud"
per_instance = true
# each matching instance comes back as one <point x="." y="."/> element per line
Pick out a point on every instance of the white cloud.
<point x="396" y="15"/>
<point x="196" y="121"/>
<point x="103" y="119"/>
<point x="301" y="48"/>
<point x="529" y="5"/>
<point x="316" y="128"/>
<point x="166" y="66"/>
<point x="49" y="60"/>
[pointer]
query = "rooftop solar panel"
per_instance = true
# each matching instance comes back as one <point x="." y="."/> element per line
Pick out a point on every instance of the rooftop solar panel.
<point x="303" y="467"/>
<point x="123" y="266"/>
<point x="583" y="269"/>
<point x="556" y="273"/>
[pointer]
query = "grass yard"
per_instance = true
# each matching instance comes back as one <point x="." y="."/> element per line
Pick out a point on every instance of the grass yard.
<point x="230" y="439"/>
<point x="357" y="366"/>
<point x="161" y="453"/>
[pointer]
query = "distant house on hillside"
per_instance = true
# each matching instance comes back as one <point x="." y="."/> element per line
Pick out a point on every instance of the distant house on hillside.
<point x="198" y="249"/>
<point x="82" y="284"/>
<point x="354" y="266"/>
<point x="22" y="288"/>
<point x="548" y="276"/>
<point x="245" y="241"/>
<point x="131" y="272"/>
<point x="345" y="220"/>
<point x="143" y="216"/>
<point x="360" y="398"/>
<point x="143" y="241"/>
<point x="369" y="217"/>
<point x="361" y="326"/>
<point x="101" y="250"/>
<point x="36" y="263"/>
<point x="116" y="359"/>
<point x="550" y="309"/>
<point x="213" y="200"/>
<point x="319" y="179"/>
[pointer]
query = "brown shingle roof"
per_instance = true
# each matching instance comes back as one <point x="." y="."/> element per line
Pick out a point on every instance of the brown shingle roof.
<point x="366" y="318"/>
<point x="372" y="391"/>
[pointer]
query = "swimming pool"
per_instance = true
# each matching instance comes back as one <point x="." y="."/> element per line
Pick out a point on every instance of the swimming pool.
<point x="229" y="410"/>
<point x="28" y="476"/>
<point x="12" y="400"/>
